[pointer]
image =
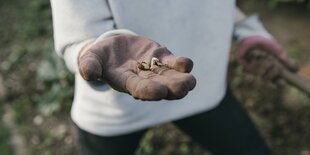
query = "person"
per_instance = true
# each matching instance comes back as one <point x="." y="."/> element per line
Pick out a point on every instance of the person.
<point x="142" y="63"/>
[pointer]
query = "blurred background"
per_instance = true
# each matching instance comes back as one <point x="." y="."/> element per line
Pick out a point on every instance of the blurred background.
<point x="36" y="89"/>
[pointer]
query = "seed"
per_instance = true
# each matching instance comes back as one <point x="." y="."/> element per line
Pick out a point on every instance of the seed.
<point x="154" y="64"/>
<point x="143" y="66"/>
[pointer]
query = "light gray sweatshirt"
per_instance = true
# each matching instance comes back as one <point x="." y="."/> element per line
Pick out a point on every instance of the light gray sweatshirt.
<point x="199" y="29"/>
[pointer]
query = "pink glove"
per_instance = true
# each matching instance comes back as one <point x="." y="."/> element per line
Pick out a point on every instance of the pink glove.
<point x="268" y="71"/>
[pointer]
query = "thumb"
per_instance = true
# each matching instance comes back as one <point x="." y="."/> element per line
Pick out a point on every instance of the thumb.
<point x="90" y="67"/>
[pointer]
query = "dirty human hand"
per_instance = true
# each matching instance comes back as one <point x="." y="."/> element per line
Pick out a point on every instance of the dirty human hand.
<point x="124" y="62"/>
<point x="261" y="64"/>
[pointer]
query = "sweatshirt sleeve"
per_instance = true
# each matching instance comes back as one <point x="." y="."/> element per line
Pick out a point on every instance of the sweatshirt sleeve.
<point x="250" y="26"/>
<point x="77" y="23"/>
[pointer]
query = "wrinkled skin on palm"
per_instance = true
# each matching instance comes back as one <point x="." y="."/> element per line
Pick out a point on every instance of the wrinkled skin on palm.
<point x="115" y="61"/>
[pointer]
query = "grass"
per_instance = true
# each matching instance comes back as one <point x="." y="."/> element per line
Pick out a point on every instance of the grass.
<point x="5" y="146"/>
<point x="36" y="80"/>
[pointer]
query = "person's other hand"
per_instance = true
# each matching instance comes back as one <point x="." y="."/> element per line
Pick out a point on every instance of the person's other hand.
<point x="115" y="60"/>
<point x="261" y="64"/>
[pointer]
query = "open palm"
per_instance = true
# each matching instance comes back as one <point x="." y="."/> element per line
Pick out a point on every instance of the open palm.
<point x="117" y="61"/>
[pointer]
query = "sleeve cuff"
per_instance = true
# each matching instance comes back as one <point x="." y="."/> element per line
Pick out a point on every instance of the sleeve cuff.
<point x="113" y="33"/>
<point x="251" y="26"/>
<point x="72" y="52"/>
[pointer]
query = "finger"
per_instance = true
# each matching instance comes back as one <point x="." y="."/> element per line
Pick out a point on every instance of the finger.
<point x="258" y="55"/>
<point x="176" y="88"/>
<point x="272" y="47"/>
<point x="259" y="62"/>
<point x="172" y="74"/>
<point x="244" y="64"/>
<point x="245" y="61"/>
<point x="272" y="73"/>
<point x="178" y="84"/>
<point x="254" y="67"/>
<point x="181" y="64"/>
<point x="143" y="88"/>
<point x="263" y="67"/>
<point x="278" y="51"/>
<point x="254" y="55"/>
<point x="90" y="67"/>
<point x="289" y="63"/>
